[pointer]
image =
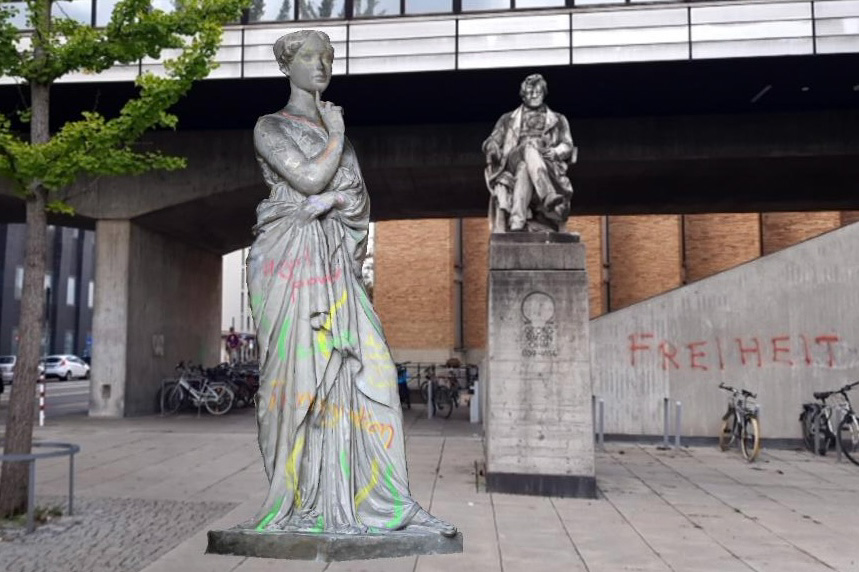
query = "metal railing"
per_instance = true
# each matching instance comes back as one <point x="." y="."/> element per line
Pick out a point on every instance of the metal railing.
<point x="31" y="458"/>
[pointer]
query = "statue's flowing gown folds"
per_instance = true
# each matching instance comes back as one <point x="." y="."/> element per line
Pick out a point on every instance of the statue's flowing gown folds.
<point x="330" y="424"/>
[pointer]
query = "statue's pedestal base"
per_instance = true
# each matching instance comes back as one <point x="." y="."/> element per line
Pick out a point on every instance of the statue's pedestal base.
<point x="329" y="547"/>
<point x="539" y="422"/>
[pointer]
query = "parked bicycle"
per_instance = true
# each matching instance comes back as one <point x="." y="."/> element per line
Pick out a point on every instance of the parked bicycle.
<point x="194" y="388"/>
<point x="740" y="423"/>
<point x="818" y="429"/>
<point x="442" y="397"/>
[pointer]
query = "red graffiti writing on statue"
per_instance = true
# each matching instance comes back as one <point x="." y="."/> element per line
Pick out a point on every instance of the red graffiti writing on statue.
<point x="719" y="353"/>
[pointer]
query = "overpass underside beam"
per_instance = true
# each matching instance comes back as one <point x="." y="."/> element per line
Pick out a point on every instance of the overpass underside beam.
<point x="157" y="301"/>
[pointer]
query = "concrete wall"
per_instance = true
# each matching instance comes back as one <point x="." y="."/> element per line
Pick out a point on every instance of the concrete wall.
<point x="783" y="326"/>
<point x="157" y="302"/>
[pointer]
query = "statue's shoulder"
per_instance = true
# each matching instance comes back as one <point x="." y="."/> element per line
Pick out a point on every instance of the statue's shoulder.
<point x="269" y="121"/>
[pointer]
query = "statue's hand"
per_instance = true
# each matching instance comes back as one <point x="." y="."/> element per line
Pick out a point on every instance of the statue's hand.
<point x="313" y="207"/>
<point x="332" y="116"/>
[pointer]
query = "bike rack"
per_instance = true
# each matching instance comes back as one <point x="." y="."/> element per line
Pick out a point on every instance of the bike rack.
<point x="30" y="458"/>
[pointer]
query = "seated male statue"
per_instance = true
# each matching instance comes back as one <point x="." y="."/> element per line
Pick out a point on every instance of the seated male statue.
<point x="527" y="157"/>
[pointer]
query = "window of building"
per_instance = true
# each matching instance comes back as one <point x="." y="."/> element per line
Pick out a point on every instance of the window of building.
<point x="19" y="281"/>
<point x="540" y="3"/>
<point x="271" y="11"/>
<point x="15" y="341"/>
<point x="320" y="9"/>
<point x="90" y="294"/>
<point x="69" y="342"/>
<point x="470" y="5"/>
<point x="428" y="6"/>
<point x="70" y="292"/>
<point x="371" y="9"/>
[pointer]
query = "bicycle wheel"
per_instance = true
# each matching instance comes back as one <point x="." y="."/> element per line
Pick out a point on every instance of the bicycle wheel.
<point x="222" y="403"/>
<point x="424" y="391"/>
<point x="173" y="397"/>
<point x="807" y="419"/>
<point x="727" y="433"/>
<point x="820" y="425"/>
<point x="443" y="402"/>
<point x="751" y="441"/>
<point x="848" y="437"/>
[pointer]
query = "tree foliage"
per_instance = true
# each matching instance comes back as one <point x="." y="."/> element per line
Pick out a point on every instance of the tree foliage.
<point x="95" y="145"/>
<point x="44" y="163"/>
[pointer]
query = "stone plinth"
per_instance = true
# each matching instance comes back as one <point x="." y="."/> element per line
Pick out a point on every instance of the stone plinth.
<point x="539" y="428"/>
<point x="329" y="547"/>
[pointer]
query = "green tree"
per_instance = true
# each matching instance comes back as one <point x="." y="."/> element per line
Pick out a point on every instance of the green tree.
<point x="40" y="165"/>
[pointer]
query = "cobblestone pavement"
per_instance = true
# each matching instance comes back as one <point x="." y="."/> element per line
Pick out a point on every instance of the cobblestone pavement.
<point x="106" y="535"/>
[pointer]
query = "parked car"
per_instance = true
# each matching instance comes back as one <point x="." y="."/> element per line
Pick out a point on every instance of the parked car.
<point x="66" y="367"/>
<point x="7" y="369"/>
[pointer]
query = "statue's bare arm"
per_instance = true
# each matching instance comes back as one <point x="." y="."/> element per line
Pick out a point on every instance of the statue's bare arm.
<point x="308" y="175"/>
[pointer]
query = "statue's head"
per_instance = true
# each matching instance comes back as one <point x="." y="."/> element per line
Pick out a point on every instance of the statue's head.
<point x="305" y="57"/>
<point x="533" y="91"/>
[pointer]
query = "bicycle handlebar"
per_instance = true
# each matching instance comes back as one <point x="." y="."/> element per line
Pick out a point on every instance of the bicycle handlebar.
<point x="745" y="392"/>
<point x="822" y="395"/>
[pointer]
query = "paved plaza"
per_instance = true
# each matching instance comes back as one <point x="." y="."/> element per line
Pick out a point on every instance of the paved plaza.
<point x="149" y="488"/>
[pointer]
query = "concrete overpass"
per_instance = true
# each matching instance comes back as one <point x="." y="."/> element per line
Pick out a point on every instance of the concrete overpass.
<point x="693" y="135"/>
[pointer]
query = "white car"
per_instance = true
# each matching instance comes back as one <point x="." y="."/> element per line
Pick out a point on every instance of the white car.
<point x="66" y="367"/>
<point x="7" y="369"/>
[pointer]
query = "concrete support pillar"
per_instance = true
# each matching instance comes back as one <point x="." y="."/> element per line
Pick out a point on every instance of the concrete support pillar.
<point x="539" y="430"/>
<point x="157" y="301"/>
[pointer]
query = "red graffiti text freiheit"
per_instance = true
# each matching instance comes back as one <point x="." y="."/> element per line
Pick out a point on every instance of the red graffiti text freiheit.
<point x="718" y="353"/>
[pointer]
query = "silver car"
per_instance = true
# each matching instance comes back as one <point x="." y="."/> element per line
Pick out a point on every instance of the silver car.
<point x="7" y="369"/>
<point x="66" y="367"/>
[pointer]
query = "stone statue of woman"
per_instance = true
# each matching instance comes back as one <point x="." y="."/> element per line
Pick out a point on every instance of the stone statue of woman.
<point x="330" y="424"/>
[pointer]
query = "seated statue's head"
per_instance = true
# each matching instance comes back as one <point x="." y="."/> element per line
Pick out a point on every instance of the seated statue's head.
<point x="533" y="91"/>
<point x="305" y="57"/>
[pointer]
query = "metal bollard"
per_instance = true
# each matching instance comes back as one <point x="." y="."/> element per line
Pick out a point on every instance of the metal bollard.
<point x="665" y="423"/>
<point x="678" y="416"/>
<point x="41" y="404"/>
<point x="429" y="400"/>
<point x="602" y="424"/>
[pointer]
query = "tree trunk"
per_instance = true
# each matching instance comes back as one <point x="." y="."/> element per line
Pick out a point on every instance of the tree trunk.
<point x="19" y="423"/>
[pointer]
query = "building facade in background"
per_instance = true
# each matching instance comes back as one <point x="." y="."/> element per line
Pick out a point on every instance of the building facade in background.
<point x="431" y="275"/>
<point x="69" y="289"/>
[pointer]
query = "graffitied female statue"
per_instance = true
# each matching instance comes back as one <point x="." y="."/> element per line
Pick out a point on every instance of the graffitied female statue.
<point x="330" y="424"/>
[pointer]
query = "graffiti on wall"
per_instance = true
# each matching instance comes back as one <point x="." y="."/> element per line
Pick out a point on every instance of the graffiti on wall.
<point x="721" y="352"/>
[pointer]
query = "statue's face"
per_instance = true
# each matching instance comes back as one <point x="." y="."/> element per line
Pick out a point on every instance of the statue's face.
<point x="532" y="96"/>
<point x="310" y="69"/>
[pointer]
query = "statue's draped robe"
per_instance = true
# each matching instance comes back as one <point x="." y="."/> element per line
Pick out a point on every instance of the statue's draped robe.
<point x="330" y="424"/>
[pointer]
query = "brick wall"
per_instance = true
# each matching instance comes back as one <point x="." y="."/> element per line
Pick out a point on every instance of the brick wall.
<point x="590" y="227"/>
<point x="644" y="257"/>
<point x="849" y="217"/>
<point x="717" y="242"/>
<point x="781" y="230"/>
<point x="413" y="291"/>
<point x="475" y="253"/>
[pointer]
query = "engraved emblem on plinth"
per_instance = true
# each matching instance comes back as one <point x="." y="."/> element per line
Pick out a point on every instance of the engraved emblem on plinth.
<point x="538" y="325"/>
